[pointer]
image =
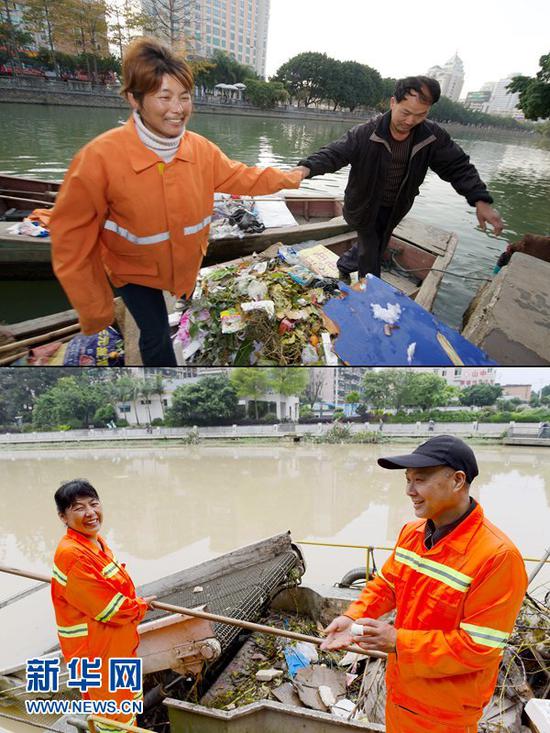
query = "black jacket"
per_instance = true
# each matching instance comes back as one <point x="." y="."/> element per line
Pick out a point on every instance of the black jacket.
<point x="366" y="147"/>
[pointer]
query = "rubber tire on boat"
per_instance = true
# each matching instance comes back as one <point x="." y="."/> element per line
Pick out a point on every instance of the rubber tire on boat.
<point x="352" y="577"/>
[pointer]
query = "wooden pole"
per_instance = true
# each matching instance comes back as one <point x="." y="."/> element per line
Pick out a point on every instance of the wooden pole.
<point x="51" y="336"/>
<point x="216" y="618"/>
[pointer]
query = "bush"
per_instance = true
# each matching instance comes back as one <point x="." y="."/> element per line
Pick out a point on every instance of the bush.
<point x="103" y="415"/>
<point x="337" y="434"/>
<point x="158" y="422"/>
<point x="122" y="423"/>
<point x="270" y="418"/>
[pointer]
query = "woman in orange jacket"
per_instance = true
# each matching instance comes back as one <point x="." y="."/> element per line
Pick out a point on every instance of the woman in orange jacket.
<point x="135" y="206"/>
<point x="96" y="608"/>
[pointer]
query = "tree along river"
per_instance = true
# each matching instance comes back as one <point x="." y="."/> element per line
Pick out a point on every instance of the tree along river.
<point x="170" y="508"/>
<point x="40" y="141"/>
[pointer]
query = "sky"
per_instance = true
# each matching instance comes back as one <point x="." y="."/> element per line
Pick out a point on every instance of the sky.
<point x="403" y="38"/>
<point x="537" y="377"/>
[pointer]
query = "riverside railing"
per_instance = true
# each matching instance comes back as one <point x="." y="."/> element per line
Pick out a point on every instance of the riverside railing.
<point x="280" y="430"/>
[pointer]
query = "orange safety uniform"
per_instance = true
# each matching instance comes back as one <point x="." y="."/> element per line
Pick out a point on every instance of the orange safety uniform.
<point x="96" y="611"/>
<point x="456" y="605"/>
<point x="124" y="215"/>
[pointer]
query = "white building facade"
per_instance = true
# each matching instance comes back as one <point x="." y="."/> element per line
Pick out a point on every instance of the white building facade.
<point x="462" y="376"/>
<point x="450" y="77"/>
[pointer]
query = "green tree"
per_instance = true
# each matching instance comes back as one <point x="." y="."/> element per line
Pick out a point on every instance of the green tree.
<point x="534" y="92"/>
<point x="377" y="389"/>
<point x="427" y="391"/>
<point x="480" y="394"/>
<point x="227" y="70"/>
<point x="353" y="398"/>
<point x="251" y="382"/>
<point x="288" y="381"/>
<point x="146" y="390"/>
<point x="158" y="389"/>
<point x="305" y="76"/>
<point x="71" y="401"/>
<point x="210" y="401"/>
<point x="545" y="395"/>
<point x="47" y="17"/>
<point x="265" y="94"/>
<point x="352" y="84"/>
<point x="22" y="386"/>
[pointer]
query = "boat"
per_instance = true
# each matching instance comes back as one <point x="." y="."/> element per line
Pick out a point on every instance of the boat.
<point x="29" y="258"/>
<point x="415" y="262"/>
<point x="190" y="692"/>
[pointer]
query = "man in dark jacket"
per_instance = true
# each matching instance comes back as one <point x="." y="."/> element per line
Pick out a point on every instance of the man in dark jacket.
<point x="389" y="157"/>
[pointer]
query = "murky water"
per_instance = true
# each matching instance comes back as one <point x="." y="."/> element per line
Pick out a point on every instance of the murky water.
<point x="169" y="508"/>
<point x="40" y="141"/>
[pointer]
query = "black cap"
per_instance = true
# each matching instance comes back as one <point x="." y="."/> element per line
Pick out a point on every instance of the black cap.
<point x="441" y="450"/>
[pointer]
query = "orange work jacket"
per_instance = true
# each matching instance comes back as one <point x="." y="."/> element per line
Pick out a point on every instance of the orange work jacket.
<point x="456" y="605"/>
<point x="96" y="610"/>
<point x="124" y="215"/>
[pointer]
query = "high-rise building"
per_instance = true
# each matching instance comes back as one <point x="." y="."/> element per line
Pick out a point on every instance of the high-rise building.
<point x="236" y="27"/>
<point x="450" y="77"/>
<point x="503" y="103"/>
<point x="334" y="384"/>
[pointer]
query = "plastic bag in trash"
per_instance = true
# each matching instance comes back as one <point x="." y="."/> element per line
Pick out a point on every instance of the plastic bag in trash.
<point x="105" y="348"/>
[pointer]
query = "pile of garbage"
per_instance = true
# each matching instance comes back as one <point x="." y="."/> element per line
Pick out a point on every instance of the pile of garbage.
<point x="262" y="311"/>
<point x="300" y="675"/>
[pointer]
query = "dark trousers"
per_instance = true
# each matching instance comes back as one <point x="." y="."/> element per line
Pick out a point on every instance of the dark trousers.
<point x="365" y="256"/>
<point x="148" y="308"/>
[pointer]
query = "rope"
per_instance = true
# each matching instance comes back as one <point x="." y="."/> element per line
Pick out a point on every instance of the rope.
<point x="435" y="269"/>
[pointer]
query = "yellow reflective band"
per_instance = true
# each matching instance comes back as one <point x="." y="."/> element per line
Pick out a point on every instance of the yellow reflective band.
<point x="379" y="574"/>
<point x="107" y="728"/>
<point x="111" y="608"/>
<point x="160" y="168"/>
<point x="69" y="632"/>
<point x="58" y="575"/>
<point x="486" y="636"/>
<point x="138" y="695"/>
<point x="436" y="570"/>
<point x="110" y="570"/>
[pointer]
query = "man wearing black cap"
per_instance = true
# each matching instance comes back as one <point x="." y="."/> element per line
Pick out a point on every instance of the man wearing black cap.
<point x="457" y="583"/>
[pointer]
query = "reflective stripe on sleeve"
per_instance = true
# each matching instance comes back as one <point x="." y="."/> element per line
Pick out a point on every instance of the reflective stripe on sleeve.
<point x="197" y="227"/>
<point x="112" y="226"/>
<point x="69" y="632"/>
<point x="111" y="608"/>
<point x="485" y="635"/>
<point x="110" y="570"/>
<point x="103" y="728"/>
<point x="58" y="575"/>
<point x="382" y="577"/>
<point x="443" y="573"/>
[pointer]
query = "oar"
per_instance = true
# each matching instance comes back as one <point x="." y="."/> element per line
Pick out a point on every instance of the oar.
<point x="216" y="618"/>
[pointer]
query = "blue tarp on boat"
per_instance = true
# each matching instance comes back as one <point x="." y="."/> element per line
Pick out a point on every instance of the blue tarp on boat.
<point x="363" y="339"/>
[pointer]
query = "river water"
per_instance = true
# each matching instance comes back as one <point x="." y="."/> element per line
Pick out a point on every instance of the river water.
<point x="40" y="141"/>
<point x="169" y="508"/>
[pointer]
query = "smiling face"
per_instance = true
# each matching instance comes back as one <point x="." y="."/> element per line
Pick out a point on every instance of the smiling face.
<point x="408" y="113"/>
<point x="438" y="493"/>
<point x="165" y="111"/>
<point x="85" y="515"/>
